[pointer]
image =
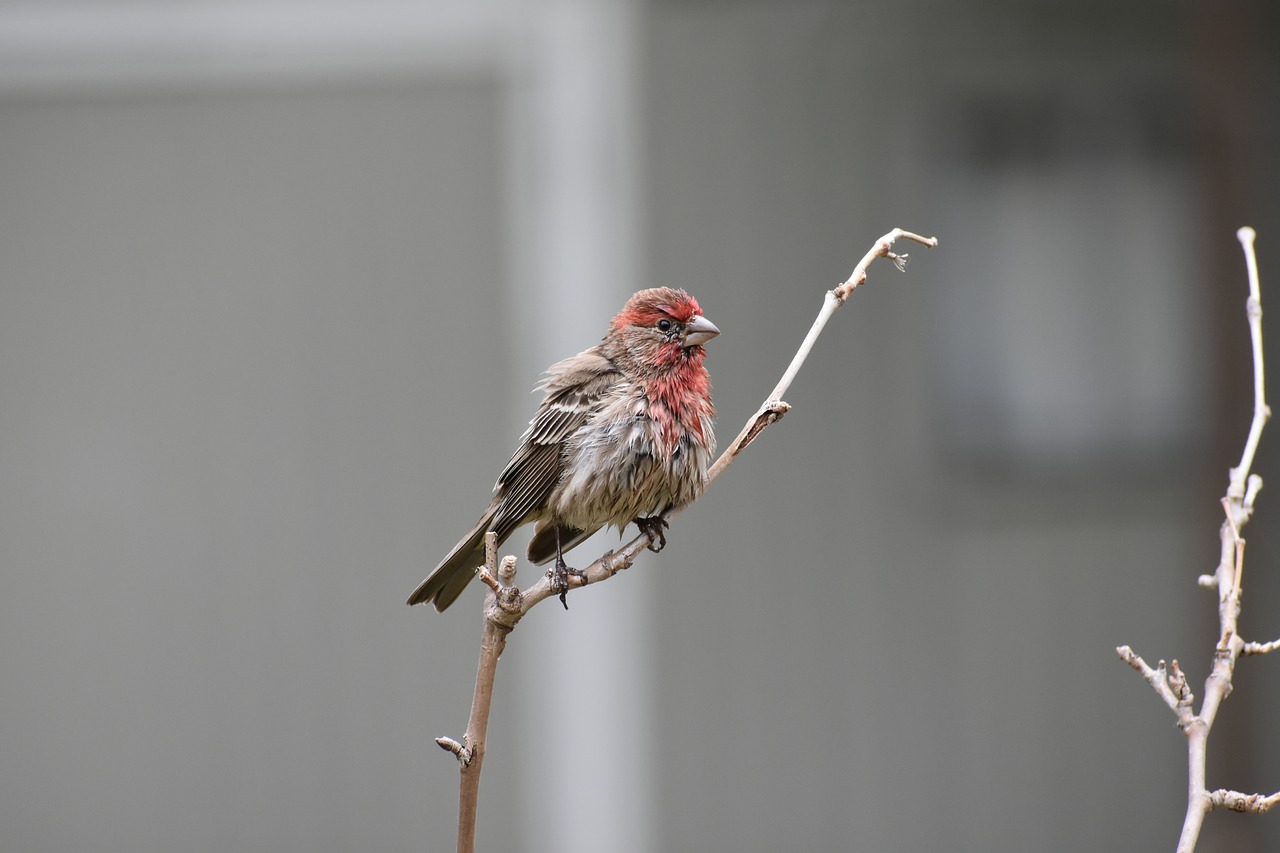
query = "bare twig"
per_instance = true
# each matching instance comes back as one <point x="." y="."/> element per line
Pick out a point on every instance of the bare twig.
<point x="505" y="605"/>
<point x="1179" y="700"/>
<point x="1259" y="648"/>
<point x="1261" y="412"/>
<point x="459" y="751"/>
<point x="1239" y="802"/>
<point x="773" y="407"/>
<point x="470" y="753"/>
<point x="1238" y="504"/>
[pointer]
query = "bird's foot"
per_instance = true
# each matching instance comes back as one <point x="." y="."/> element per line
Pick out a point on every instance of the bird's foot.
<point x="654" y="527"/>
<point x="560" y="580"/>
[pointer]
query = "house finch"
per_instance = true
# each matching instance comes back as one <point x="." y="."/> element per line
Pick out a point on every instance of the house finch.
<point x="623" y="434"/>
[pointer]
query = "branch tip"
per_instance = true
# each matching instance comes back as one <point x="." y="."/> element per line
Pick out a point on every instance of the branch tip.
<point x="459" y="751"/>
<point x="1238" y="802"/>
<point x="881" y="249"/>
<point x="1255" y="482"/>
<point x="507" y="571"/>
<point x="1260" y="648"/>
<point x="488" y="579"/>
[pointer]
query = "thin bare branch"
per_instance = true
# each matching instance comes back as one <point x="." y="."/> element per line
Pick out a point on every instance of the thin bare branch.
<point x="773" y="408"/>
<point x="881" y="250"/>
<point x="1238" y="506"/>
<point x="471" y="756"/>
<point x="1261" y="411"/>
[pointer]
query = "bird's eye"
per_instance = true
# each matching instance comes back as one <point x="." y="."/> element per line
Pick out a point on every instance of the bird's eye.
<point x="664" y="325"/>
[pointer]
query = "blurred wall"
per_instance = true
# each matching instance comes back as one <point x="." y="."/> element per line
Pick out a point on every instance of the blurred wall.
<point x="1000" y="465"/>
<point x="270" y="300"/>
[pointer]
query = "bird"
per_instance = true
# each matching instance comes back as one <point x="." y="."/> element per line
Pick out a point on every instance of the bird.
<point x="624" y="433"/>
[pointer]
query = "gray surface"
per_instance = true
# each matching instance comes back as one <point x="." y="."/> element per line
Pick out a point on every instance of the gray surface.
<point x="243" y="340"/>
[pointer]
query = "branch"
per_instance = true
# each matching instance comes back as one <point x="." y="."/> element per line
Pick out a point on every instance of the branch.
<point x="773" y="408"/>
<point x="1261" y="411"/>
<point x="470" y="753"/>
<point x="1169" y="686"/>
<point x="505" y="605"/>
<point x="1237" y="505"/>
<point x="1260" y="648"/>
<point x="1238" y="802"/>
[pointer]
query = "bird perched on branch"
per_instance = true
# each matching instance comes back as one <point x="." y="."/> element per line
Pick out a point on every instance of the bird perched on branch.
<point x="623" y="434"/>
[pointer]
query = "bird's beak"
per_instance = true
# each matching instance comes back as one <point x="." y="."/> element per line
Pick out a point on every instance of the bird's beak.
<point x="698" y="331"/>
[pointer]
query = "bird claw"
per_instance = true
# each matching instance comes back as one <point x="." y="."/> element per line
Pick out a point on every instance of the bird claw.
<point x="560" y="580"/>
<point x="654" y="527"/>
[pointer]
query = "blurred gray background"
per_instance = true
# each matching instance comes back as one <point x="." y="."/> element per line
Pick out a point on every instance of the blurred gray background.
<point x="276" y="278"/>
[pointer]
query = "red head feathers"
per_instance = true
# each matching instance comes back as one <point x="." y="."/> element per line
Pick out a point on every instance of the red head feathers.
<point x="649" y="306"/>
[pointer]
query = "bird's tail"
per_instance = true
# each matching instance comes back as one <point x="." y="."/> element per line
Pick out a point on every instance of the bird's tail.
<point x="445" y="584"/>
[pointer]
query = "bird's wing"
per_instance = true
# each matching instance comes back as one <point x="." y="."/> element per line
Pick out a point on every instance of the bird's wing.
<point x="574" y="388"/>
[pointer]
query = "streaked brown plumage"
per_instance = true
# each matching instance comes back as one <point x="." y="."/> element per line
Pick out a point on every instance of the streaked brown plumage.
<point x="623" y="433"/>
